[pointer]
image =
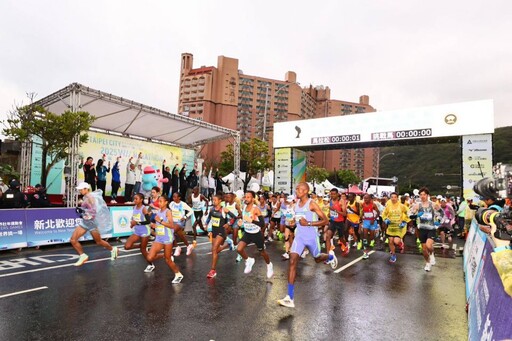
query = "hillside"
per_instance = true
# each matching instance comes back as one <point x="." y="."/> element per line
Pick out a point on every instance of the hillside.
<point x="416" y="166"/>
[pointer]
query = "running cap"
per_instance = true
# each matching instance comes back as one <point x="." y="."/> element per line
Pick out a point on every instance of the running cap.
<point x="439" y="197"/>
<point x="291" y="197"/>
<point x="443" y="199"/>
<point x="406" y="195"/>
<point x="83" y="185"/>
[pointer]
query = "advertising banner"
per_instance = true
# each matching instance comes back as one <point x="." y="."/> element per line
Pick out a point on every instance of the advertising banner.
<point x="153" y="154"/>
<point x="455" y="119"/>
<point x="490" y="307"/>
<point x="476" y="161"/>
<point x="299" y="161"/>
<point x="12" y="229"/>
<point x="51" y="226"/>
<point x="283" y="170"/>
<point x="472" y="265"/>
<point x="55" y="177"/>
<point x="121" y="217"/>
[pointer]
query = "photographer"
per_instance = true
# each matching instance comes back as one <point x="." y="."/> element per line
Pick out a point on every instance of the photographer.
<point x="39" y="198"/>
<point x="13" y="197"/>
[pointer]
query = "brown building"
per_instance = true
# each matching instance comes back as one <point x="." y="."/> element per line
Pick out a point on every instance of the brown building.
<point x="223" y="95"/>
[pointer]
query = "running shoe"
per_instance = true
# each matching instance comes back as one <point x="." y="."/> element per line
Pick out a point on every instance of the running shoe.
<point x="238" y="259"/>
<point x="149" y="268"/>
<point x="386" y="241"/>
<point x="332" y="260"/>
<point x="248" y="265"/>
<point x="194" y="243"/>
<point x="190" y="247"/>
<point x="270" y="270"/>
<point x="402" y="247"/>
<point x="230" y="243"/>
<point x="418" y="241"/>
<point x="345" y="252"/>
<point x="392" y="259"/>
<point x="304" y="253"/>
<point x="177" y="278"/>
<point x="428" y="267"/>
<point x="82" y="259"/>
<point x="286" y="302"/>
<point x="359" y="245"/>
<point x="211" y="274"/>
<point x="350" y="238"/>
<point x="177" y="252"/>
<point x="372" y="243"/>
<point x="432" y="259"/>
<point x="240" y="234"/>
<point x="113" y="253"/>
<point x="366" y="255"/>
<point x="113" y="201"/>
<point x="285" y="255"/>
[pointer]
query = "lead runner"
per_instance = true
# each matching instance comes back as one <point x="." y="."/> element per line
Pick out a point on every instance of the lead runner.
<point x="308" y="216"/>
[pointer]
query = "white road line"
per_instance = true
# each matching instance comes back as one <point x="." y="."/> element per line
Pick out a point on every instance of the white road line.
<point x="72" y="264"/>
<point x="352" y="263"/>
<point x="22" y="292"/>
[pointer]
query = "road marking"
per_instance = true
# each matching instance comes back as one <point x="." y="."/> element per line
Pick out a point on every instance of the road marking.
<point x="72" y="264"/>
<point x="352" y="263"/>
<point x="22" y="292"/>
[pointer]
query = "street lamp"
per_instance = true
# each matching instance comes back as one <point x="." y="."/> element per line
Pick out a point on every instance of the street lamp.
<point x="279" y="89"/>
<point x="378" y="172"/>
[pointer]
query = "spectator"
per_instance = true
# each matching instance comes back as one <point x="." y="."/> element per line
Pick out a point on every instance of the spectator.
<point x="138" y="178"/>
<point x="211" y="184"/>
<point x="166" y="174"/>
<point x="3" y="187"/>
<point x="39" y="198"/>
<point x="101" y="171"/>
<point x="204" y="183"/>
<point x="13" y="197"/>
<point x="175" y="179"/>
<point x="192" y="182"/>
<point x="89" y="172"/>
<point x="116" y="180"/>
<point x="219" y="182"/>
<point x="183" y="181"/>
<point x="130" y="178"/>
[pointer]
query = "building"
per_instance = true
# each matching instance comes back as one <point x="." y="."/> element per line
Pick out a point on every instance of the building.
<point x="225" y="96"/>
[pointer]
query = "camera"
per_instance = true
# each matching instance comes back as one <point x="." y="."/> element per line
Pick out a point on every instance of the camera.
<point x="497" y="187"/>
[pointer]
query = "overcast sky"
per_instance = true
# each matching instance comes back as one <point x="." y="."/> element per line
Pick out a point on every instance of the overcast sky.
<point x="402" y="53"/>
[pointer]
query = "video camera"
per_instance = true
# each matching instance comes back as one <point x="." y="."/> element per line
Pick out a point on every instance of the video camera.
<point x="497" y="187"/>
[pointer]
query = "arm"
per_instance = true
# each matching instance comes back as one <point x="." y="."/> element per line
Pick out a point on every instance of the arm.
<point x="315" y="208"/>
<point x="188" y="209"/>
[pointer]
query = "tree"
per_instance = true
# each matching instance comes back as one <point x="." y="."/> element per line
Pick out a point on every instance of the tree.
<point x="316" y="174"/>
<point x="55" y="131"/>
<point x="254" y="151"/>
<point x="347" y="177"/>
<point x="7" y="173"/>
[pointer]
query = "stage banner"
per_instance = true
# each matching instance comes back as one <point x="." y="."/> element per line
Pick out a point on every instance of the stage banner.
<point x="299" y="161"/>
<point x="52" y="226"/>
<point x="12" y="229"/>
<point x="121" y="217"/>
<point x="55" y="177"/>
<point x="153" y="154"/>
<point x="473" y="259"/>
<point x="476" y="161"/>
<point x="490" y="307"/>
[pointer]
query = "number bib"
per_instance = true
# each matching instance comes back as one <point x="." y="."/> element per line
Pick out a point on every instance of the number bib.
<point x="333" y="214"/>
<point x="136" y="218"/>
<point x="160" y="230"/>
<point x="176" y="215"/>
<point x="426" y="216"/>
<point x="215" y="222"/>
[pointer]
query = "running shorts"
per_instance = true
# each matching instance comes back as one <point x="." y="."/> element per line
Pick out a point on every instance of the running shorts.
<point x="198" y="214"/>
<point x="256" y="238"/>
<point x="337" y="226"/>
<point x="306" y="237"/>
<point x="427" y="234"/>
<point x="219" y="231"/>
<point x="89" y="225"/>
<point x="142" y="230"/>
<point x="367" y="224"/>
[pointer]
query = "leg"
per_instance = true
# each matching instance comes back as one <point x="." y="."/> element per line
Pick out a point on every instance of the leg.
<point x="168" y="259"/>
<point x="97" y="238"/>
<point x="153" y="252"/>
<point x="392" y="245"/>
<point x="130" y="242"/>
<point x="328" y="237"/>
<point x="216" y="248"/>
<point x="181" y="234"/>
<point x="241" y="249"/>
<point x="77" y="233"/>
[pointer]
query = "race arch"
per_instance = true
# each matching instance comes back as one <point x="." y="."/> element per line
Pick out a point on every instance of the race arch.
<point x="470" y="123"/>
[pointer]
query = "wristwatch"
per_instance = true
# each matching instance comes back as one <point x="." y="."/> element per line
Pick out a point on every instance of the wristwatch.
<point x="309" y="223"/>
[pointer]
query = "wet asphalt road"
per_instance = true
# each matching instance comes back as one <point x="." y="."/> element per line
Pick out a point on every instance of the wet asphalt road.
<point x="116" y="300"/>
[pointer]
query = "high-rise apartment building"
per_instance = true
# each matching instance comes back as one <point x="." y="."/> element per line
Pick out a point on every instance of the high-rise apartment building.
<point x="225" y="96"/>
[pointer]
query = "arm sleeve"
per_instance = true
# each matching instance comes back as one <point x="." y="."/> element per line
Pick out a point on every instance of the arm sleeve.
<point x="188" y="209"/>
<point x="260" y="222"/>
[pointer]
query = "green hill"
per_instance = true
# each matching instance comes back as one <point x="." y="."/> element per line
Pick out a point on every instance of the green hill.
<point x="416" y="166"/>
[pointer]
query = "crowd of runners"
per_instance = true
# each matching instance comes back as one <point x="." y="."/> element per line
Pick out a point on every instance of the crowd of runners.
<point x="322" y="225"/>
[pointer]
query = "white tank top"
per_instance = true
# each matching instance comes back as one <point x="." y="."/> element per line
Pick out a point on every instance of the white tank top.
<point x="197" y="203"/>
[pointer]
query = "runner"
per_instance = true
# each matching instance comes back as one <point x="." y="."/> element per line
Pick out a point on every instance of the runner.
<point x="141" y="230"/>
<point x="197" y="205"/>
<point x="89" y="210"/>
<point x="218" y="220"/>
<point x="164" y="229"/>
<point x="253" y="223"/>
<point x="446" y="227"/>
<point x="308" y="216"/>
<point x="289" y="223"/>
<point x="369" y="215"/>
<point x="395" y="218"/>
<point x="235" y="213"/>
<point x="265" y="212"/>
<point x="353" y="220"/>
<point x="275" y="217"/>
<point x="337" y="214"/>
<point x="180" y="213"/>
<point x="429" y="216"/>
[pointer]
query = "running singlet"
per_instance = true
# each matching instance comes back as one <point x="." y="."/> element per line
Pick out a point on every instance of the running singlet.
<point x="277" y="214"/>
<point x="197" y="203"/>
<point x="369" y="213"/>
<point x="304" y="212"/>
<point x="352" y="214"/>
<point x="178" y="211"/>
<point x="218" y="218"/>
<point x="289" y="217"/>
<point x="250" y="227"/>
<point x="138" y="215"/>
<point x="160" y="229"/>
<point x="283" y="207"/>
<point x="232" y="208"/>
<point x="264" y="211"/>
<point x="427" y="216"/>
<point x="335" y="206"/>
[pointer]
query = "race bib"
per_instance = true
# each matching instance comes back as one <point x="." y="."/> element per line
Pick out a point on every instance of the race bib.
<point x="136" y="218"/>
<point x="215" y="222"/>
<point x="251" y="228"/>
<point x="333" y="214"/>
<point x="368" y="215"/>
<point x="299" y="215"/>
<point x="160" y="230"/>
<point x="426" y="216"/>
<point x="176" y="215"/>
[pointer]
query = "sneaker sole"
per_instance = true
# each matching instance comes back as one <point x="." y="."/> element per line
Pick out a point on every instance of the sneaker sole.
<point x="82" y="262"/>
